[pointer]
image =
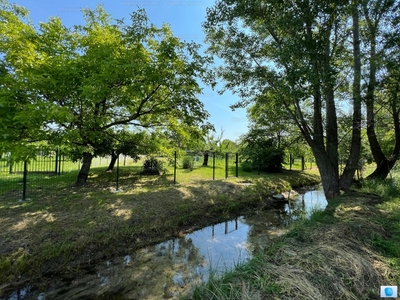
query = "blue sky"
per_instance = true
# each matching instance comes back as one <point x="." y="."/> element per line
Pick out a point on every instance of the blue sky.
<point x="185" y="18"/>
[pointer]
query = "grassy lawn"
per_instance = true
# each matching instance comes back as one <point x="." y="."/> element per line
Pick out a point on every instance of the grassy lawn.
<point x="346" y="252"/>
<point x="62" y="230"/>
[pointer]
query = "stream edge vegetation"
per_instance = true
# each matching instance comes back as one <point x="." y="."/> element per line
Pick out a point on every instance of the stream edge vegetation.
<point x="345" y="252"/>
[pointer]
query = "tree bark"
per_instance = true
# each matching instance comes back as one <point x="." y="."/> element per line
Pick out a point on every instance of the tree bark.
<point x="383" y="163"/>
<point x="84" y="171"/>
<point x="328" y="173"/>
<point x="205" y="161"/>
<point x="382" y="170"/>
<point x="114" y="157"/>
<point x="330" y="111"/>
<point x="352" y="164"/>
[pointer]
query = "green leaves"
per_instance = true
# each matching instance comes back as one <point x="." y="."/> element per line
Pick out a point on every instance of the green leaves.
<point x="76" y="84"/>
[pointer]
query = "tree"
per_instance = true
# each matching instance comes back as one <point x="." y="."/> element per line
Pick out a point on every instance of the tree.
<point x="131" y="144"/>
<point x="261" y="151"/>
<point x="382" y="56"/>
<point x="21" y="122"/>
<point x="228" y="146"/>
<point x="270" y="117"/>
<point x="212" y="142"/>
<point x="294" y="51"/>
<point x="100" y="76"/>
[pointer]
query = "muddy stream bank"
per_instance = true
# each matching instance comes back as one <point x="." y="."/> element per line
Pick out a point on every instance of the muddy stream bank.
<point x="172" y="268"/>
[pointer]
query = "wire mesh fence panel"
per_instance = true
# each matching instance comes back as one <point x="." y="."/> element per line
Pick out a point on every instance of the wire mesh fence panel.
<point x="11" y="179"/>
<point x="101" y="161"/>
<point x="43" y="175"/>
<point x="206" y="166"/>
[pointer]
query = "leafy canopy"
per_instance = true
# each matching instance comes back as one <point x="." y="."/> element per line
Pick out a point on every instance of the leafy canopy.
<point x="75" y="85"/>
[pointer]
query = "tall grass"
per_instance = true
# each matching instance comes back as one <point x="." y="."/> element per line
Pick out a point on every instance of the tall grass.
<point x="389" y="190"/>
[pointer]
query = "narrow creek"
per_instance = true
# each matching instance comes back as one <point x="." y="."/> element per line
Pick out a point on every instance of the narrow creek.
<point x="172" y="268"/>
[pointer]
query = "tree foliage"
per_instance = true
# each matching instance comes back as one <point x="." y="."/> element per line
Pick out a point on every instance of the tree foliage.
<point x="261" y="151"/>
<point x="76" y="85"/>
<point x="289" y="55"/>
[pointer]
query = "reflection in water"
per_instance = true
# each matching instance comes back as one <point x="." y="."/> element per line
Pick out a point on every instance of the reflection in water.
<point x="305" y="204"/>
<point x="172" y="268"/>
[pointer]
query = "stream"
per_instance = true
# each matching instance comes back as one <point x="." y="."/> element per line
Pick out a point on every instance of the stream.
<point x="172" y="268"/>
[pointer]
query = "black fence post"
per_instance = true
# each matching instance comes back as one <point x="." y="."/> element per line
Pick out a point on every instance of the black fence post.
<point x="213" y="166"/>
<point x="226" y="165"/>
<point x="117" y="173"/>
<point x="302" y="163"/>
<point x="290" y="161"/>
<point x="59" y="162"/>
<point x="24" y="180"/>
<point x="56" y="162"/>
<point x="237" y="164"/>
<point x="175" y="167"/>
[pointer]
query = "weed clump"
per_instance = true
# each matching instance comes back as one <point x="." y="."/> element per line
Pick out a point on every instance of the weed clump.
<point x="153" y="166"/>
<point x="187" y="163"/>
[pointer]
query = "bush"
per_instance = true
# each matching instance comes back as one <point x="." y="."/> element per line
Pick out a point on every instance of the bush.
<point x="246" y="166"/>
<point x="187" y="163"/>
<point x="262" y="153"/>
<point x="153" y="166"/>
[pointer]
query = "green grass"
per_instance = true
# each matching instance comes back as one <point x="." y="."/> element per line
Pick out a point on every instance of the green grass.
<point x="38" y="183"/>
<point x="388" y="246"/>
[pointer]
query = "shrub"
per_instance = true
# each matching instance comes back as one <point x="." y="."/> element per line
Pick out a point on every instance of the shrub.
<point x="262" y="153"/>
<point x="153" y="166"/>
<point x="246" y="166"/>
<point x="187" y="163"/>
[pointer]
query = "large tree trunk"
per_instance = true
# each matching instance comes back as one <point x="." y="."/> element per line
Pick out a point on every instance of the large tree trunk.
<point x="84" y="171"/>
<point x="352" y="164"/>
<point x="382" y="170"/>
<point x="328" y="173"/>
<point x="114" y="157"/>
<point x="205" y="161"/>
<point x="332" y="170"/>
<point x="383" y="164"/>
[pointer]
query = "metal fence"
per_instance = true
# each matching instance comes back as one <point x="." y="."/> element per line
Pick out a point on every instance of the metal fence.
<point x="214" y="161"/>
<point x="52" y="173"/>
<point x="24" y="179"/>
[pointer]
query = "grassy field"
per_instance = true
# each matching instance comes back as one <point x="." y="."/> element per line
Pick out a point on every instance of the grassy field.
<point x="346" y="252"/>
<point x="62" y="230"/>
<point x="41" y="176"/>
